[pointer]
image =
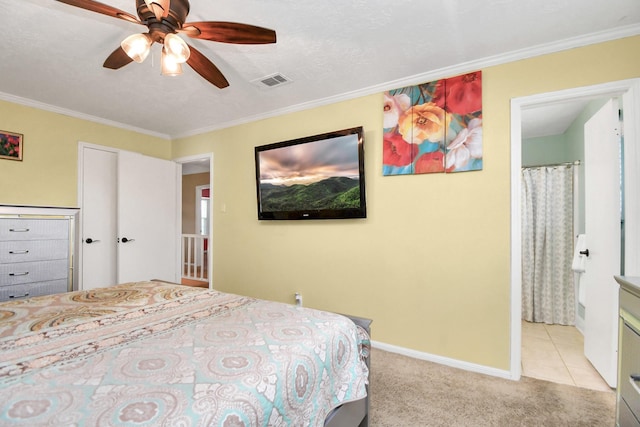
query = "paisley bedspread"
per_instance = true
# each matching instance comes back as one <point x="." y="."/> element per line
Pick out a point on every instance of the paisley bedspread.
<point x="153" y="353"/>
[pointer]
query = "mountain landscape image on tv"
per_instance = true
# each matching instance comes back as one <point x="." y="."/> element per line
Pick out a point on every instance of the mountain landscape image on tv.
<point x="316" y="177"/>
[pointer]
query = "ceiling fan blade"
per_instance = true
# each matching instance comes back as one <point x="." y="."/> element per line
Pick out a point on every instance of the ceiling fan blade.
<point x="95" y="6"/>
<point x="117" y="59"/>
<point x="229" y="32"/>
<point x="206" y="69"/>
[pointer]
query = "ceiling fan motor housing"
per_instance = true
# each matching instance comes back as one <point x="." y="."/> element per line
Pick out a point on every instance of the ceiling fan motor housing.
<point x="158" y="29"/>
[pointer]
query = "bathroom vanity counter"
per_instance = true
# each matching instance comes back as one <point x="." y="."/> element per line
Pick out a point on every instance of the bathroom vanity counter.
<point x="630" y="284"/>
<point x="628" y="392"/>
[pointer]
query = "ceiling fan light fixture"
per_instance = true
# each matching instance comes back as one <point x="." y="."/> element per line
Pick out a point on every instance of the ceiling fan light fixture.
<point x="165" y="18"/>
<point x="137" y="46"/>
<point x="168" y="65"/>
<point x="176" y="47"/>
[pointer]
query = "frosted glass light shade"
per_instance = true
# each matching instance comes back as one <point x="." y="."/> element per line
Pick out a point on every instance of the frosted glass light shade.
<point x="137" y="46"/>
<point x="176" y="47"/>
<point x="169" y="66"/>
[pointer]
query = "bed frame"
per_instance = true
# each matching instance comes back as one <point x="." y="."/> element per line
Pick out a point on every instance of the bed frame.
<point x="355" y="414"/>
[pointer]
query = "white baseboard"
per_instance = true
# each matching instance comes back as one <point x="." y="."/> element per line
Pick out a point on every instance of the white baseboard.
<point x="454" y="363"/>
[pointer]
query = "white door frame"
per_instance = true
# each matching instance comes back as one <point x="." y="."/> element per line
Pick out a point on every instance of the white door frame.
<point x="631" y="118"/>
<point x="189" y="159"/>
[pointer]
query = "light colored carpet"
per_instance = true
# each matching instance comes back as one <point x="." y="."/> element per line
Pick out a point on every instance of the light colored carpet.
<point x="407" y="392"/>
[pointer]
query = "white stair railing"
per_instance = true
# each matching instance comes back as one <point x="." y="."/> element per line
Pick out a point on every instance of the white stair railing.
<point x="194" y="261"/>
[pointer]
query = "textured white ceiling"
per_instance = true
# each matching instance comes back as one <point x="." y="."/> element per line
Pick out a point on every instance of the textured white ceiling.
<point x="551" y="119"/>
<point x="52" y="54"/>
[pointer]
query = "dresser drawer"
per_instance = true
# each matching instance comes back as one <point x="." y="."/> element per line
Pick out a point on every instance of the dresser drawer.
<point x="630" y="368"/>
<point x="626" y="417"/>
<point x="33" y="250"/>
<point x="630" y="303"/>
<point x="10" y="293"/>
<point x="33" y="229"/>
<point x="29" y="272"/>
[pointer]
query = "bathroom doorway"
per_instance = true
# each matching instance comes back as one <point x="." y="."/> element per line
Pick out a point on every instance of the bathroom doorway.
<point x="522" y="332"/>
<point x="553" y="214"/>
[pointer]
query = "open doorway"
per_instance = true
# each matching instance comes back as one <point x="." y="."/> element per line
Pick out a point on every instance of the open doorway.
<point x="196" y="220"/>
<point x="628" y="90"/>
<point x="553" y="212"/>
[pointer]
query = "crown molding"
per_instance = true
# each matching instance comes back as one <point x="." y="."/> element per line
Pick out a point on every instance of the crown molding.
<point x="78" y="115"/>
<point x="530" y="52"/>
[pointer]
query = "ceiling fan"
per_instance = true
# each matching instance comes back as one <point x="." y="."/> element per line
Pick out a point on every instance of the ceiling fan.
<point x="164" y="19"/>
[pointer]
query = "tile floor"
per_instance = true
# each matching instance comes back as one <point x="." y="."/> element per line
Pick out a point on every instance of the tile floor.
<point x="555" y="353"/>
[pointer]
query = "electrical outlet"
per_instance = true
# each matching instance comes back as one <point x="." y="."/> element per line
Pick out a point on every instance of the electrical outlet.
<point x="298" y="299"/>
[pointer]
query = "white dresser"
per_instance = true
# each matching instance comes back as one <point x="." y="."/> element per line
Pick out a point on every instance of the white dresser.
<point x="628" y="393"/>
<point x="36" y="251"/>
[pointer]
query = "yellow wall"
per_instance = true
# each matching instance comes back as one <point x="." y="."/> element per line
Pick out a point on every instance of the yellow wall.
<point x="47" y="175"/>
<point x="430" y="264"/>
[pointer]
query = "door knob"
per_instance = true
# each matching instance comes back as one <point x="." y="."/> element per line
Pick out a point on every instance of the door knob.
<point x="125" y="240"/>
<point x="585" y="252"/>
<point x="90" y="240"/>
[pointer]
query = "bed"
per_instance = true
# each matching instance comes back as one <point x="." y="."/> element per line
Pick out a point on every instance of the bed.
<point x="156" y="353"/>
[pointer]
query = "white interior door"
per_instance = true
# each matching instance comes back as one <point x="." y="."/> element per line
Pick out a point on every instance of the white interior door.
<point x="99" y="233"/>
<point x="602" y="229"/>
<point x="147" y="218"/>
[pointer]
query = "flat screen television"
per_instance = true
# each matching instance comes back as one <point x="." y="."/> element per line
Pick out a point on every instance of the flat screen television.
<point x="315" y="177"/>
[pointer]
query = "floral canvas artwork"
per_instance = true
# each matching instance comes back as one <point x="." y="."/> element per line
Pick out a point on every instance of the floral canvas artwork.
<point x="10" y="145"/>
<point x="434" y="127"/>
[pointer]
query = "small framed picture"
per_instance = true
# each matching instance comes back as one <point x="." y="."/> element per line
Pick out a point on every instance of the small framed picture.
<point x="10" y="145"/>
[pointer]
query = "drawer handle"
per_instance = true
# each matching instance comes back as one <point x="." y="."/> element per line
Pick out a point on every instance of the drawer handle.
<point x="19" y="230"/>
<point x="19" y="274"/>
<point x="18" y="252"/>
<point x="26" y="294"/>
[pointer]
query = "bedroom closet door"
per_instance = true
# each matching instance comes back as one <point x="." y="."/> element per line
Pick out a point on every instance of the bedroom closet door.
<point x="147" y="218"/>
<point x="98" y="238"/>
<point x="129" y="210"/>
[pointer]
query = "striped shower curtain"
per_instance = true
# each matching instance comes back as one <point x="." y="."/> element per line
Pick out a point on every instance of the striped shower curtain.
<point x="548" y="293"/>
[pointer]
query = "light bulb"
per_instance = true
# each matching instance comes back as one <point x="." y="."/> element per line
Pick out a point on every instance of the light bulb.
<point x="169" y="66"/>
<point x="176" y="47"/>
<point x="137" y="46"/>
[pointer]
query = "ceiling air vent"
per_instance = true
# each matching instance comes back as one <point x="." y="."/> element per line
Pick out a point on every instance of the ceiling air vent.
<point x="272" y="80"/>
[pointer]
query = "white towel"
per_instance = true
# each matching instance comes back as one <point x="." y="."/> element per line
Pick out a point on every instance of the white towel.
<point x="582" y="291"/>
<point x="579" y="259"/>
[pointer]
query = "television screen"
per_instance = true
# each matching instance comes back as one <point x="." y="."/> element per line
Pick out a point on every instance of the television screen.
<point x="316" y="177"/>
